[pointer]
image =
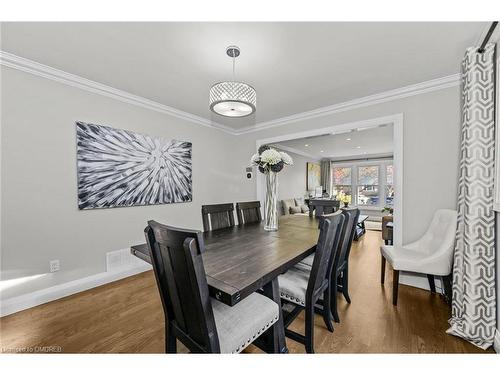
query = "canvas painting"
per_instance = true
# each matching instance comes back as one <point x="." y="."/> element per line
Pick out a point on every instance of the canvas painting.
<point x="313" y="176"/>
<point x="119" y="168"/>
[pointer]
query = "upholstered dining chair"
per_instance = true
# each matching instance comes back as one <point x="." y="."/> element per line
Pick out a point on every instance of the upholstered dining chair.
<point x="339" y="278"/>
<point x="431" y="255"/>
<point x="217" y="216"/>
<point x="248" y="212"/>
<point x="304" y="288"/>
<point x="201" y="323"/>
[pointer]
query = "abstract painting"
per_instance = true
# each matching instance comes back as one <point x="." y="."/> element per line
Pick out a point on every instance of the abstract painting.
<point x="313" y="176"/>
<point x="119" y="168"/>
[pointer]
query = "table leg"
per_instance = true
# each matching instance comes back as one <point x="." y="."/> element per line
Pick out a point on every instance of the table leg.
<point x="275" y="336"/>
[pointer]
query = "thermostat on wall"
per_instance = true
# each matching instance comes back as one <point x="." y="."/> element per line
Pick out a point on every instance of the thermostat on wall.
<point x="249" y="171"/>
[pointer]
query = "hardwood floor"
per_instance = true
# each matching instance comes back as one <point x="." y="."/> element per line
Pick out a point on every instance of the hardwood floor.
<point x="126" y="317"/>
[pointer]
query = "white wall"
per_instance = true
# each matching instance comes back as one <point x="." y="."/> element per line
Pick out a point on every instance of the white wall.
<point x="40" y="217"/>
<point x="292" y="179"/>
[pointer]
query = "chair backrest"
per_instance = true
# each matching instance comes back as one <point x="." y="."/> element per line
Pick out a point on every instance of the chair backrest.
<point x="217" y="216"/>
<point x="441" y="232"/>
<point x="337" y="246"/>
<point x="330" y="232"/>
<point x="182" y="283"/>
<point x="351" y="220"/>
<point x="248" y="212"/>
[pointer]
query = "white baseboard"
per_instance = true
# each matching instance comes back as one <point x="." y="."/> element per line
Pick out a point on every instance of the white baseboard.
<point x="26" y="301"/>
<point x="496" y="341"/>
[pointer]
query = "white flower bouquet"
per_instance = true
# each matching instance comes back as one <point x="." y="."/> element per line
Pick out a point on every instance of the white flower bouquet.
<point x="270" y="159"/>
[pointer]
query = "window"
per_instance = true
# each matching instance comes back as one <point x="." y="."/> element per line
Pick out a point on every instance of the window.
<point x="368" y="185"/>
<point x="389" y="187"/>
<point x="342" y="180"/>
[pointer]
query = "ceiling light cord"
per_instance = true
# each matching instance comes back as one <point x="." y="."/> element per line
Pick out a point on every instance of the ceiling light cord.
<point x="234" y="64"/>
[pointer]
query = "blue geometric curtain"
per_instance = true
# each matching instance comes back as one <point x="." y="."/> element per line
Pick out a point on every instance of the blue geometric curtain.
<point x="474" y="301"/>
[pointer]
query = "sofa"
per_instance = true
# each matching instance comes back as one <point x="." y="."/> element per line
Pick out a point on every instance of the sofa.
<point x="294" y="206"/>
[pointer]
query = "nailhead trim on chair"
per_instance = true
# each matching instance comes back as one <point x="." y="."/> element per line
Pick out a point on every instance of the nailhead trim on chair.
<point x="293" y="299"/>
<point x="255" y="335"/>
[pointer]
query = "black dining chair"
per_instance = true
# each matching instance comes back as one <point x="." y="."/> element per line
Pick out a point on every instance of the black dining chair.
<point x="248" y="212"/>
<point x="304" y="288"/>
<point x="217" y="216"/>
<point x="201" y="323"/>
<point x="339" y="281"/>
<point x="340" y="272"/>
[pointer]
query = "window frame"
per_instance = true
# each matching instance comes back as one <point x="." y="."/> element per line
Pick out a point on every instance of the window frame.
<point x="382" y="179"/>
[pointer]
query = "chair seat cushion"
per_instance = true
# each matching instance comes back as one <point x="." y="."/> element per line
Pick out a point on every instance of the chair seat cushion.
<point x="293" y="285"/>
<point x="404" y="259"/>
<point x="239" y="325"/>
<point x="305" y="264"/>
<point x="308" y="260"/>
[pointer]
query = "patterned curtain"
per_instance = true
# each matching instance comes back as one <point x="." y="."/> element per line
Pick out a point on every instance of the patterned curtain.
<point x="326" y="176"/>
<point x="473" y="306"/>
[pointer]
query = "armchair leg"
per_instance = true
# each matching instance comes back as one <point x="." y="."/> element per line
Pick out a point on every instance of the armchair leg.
<point x="395" y="285"/>
<point x="333" y="297"/>
<point x="309" y="344"/>
<point x="170" y="340"/>
<point x="345" y="284"/>
<point x="432" y="285"/>
<point x="327" y="315"/>
<point x="447" y="286"/>
<point x="382" y="270"/>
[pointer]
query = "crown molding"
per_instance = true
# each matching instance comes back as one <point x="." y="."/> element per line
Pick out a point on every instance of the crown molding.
<point x="386" y="96"/>
<point x="29" y="66"/>
<point x="362" y="157"/>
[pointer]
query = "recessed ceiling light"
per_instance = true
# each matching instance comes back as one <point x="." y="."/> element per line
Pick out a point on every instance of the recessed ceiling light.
<point x="358" y="147"/>
<point x="348" y="139"/>
<point x="364" y="152"/>
<point x="306" y="145"/>
<point x="321" y="151"/>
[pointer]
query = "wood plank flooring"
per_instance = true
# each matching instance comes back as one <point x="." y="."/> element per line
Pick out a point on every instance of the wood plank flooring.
<point x="126" y="317"/>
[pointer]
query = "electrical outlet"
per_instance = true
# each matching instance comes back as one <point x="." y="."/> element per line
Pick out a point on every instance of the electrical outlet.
<point x="54" y="265"/>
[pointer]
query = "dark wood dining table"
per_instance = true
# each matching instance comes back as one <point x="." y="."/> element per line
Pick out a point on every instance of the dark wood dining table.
<point x="245" y="258"/>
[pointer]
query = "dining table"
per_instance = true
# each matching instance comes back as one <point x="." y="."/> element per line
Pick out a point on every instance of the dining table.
<point x="244" y="259"/>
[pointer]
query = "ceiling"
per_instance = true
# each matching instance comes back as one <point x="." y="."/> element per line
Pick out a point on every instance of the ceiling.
<point x="356" y="144"/>
<point x="294" y="67"/>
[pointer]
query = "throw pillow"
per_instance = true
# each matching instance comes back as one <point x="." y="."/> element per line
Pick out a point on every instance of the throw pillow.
<point x="299" y="201"/>
<point x="295" y="210"/>
<point x="304" y="208"/>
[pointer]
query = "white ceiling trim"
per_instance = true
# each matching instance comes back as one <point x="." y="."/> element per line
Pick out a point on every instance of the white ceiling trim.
<point x="402" y="92"/>
<point x="29" y="66"/>
<point x="363" y="157"/>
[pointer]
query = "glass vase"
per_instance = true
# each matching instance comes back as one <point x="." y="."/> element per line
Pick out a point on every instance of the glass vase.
<point x="271" y="203"/>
